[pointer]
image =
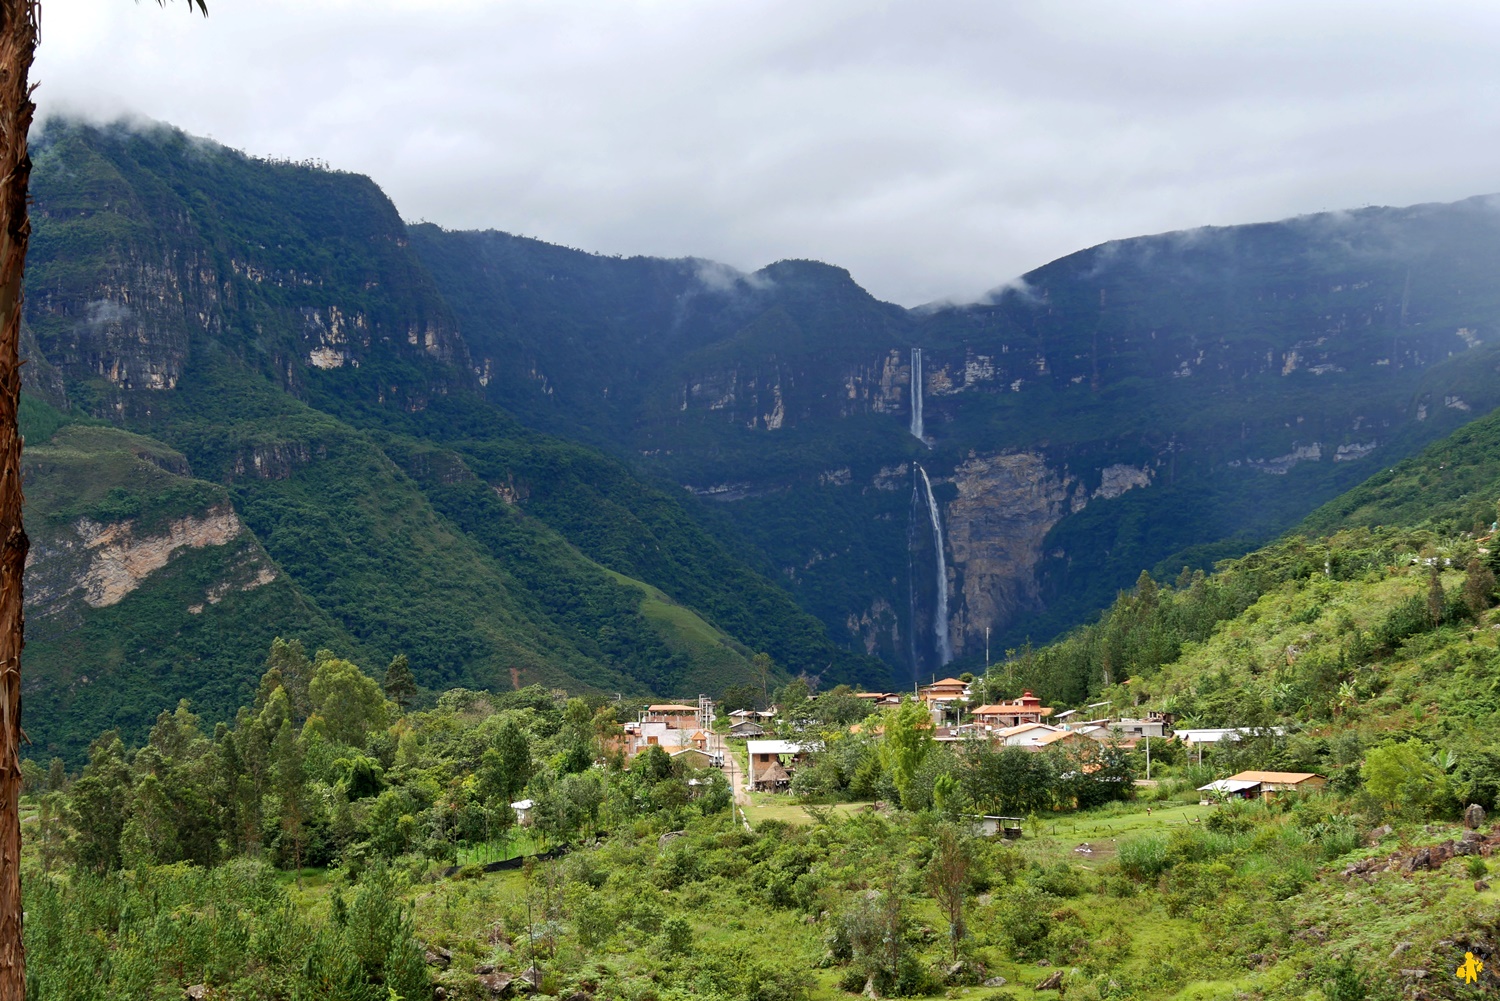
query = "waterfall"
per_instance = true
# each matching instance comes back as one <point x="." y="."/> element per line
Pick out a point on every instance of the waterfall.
<point x="917" y="503"/>
<point x="916" y="394"/>
<point x="940" y="618"/>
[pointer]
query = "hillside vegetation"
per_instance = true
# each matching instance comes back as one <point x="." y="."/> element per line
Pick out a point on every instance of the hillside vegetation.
<point x="1369" y="655"/>
<point x="280" y="357"/>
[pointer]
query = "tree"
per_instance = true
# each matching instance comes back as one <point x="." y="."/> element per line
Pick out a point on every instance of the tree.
<point x="99" y="798"/>
<point x="1479" y="586"/>
<point x="505" y="767"/>
<point x="18" y="30"/>
<point x="1405" y="776"/>
<point x="738" y="697"/>
<point x="908" y="735"/>
<point x="1437" y="599"/>
<point x="348" y="701"/>
<point x="947" y="877"/>
<point x="400" y="685"/>
<point x="290" y="783"/>
<point x="293" y="672"/>
<point x="577" y="738"/>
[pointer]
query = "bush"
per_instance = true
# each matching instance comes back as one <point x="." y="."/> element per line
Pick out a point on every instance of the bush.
<point x="676" y="935"/>
<point x="1142" y="857"/>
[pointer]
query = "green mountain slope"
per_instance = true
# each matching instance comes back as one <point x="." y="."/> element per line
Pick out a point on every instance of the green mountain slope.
<point x="266" y="326"/>
<point x="1184" y="397"/>
<point x="1377" y="626"/>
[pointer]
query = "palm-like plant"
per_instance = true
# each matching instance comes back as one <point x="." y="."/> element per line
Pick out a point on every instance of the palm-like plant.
<point x="18" y="38"/>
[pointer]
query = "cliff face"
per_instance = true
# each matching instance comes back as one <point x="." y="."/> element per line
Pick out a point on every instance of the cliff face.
<point x="131" y="280"/>
<point x="1142" y="402"/>
<point x="996" y="527"/>
<point x="101" y="563"/>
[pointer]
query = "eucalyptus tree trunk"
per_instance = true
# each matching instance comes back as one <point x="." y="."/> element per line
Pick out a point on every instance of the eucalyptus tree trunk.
<point x="18" y="32"/>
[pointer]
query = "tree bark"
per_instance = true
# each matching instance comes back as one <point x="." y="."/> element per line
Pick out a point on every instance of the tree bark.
<point x="18" y="35"/>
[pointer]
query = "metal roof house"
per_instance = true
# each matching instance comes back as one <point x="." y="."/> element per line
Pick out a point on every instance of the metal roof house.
<point x="1266" y="785"/>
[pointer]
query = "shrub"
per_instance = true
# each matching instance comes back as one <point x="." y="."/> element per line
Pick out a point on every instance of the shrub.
<point x="676" y="935"/>
<point x="1142" y="857"/>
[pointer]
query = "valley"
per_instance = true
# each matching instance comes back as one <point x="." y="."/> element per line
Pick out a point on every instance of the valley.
<point x="478" y="449"/>
<point x="364" y="552"/>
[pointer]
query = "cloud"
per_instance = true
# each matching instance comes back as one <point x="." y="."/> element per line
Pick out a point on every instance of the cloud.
<point x="930" y="147"/>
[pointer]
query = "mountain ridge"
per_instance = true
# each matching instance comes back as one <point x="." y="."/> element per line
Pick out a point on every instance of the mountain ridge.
<point x="740" y="442"/>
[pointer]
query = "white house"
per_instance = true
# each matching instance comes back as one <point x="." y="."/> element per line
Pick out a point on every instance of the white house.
<point x="773" y="762"/>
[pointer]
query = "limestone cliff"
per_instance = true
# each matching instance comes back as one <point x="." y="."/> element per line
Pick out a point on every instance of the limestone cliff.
<point x="100" y="563"/>
<point x="1005" y="507"/>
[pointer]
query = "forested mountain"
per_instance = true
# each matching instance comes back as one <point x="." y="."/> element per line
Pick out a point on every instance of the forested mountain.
<point x="260" y="404"/>
<point x="1153" y="402"/>
<point x="309" y="456"/>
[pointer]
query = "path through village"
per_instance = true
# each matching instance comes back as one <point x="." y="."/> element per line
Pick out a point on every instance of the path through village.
<point x="718" y="745"/>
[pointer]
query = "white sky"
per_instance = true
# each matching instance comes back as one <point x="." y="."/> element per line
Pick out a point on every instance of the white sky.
<point x="936" y="148"/>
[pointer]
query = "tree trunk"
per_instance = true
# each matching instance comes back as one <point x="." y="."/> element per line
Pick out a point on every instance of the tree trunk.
<point x="18" y="31"/>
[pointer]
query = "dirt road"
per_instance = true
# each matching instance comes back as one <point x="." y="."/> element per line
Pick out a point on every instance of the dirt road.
<point x="734" y="773"/>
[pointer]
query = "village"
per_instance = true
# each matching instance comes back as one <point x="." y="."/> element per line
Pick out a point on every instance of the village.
<point x="774" y="748"/>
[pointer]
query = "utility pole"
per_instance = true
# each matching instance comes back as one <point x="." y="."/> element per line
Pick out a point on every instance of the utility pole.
<point x="986" y="649"/>
<point x="1148" y="758"/>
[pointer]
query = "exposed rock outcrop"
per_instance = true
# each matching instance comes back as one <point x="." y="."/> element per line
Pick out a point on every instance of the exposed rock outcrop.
<point x="1006" y="505"/>
<point x="102" y="563"/>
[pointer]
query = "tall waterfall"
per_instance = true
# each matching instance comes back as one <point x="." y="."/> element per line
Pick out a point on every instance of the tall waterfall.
<point x="940" y="618"/>
<point x="916" y="394"/>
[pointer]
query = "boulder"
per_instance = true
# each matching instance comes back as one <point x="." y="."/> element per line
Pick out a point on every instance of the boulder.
<point x="197" y="992"/>
<point x="437" y="956"/>
<point x="1480" y="886"/>
<point x="1473" y="816"/>
<point x="1052" y="983"/>
<point x="995" y="982"/>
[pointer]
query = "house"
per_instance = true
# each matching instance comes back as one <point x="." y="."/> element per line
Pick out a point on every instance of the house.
<point x="773" y="762"/>
<point x="945" y="691"/>
<point x="1266" y="785"/>
<point x="1003" y="715"/>
<point x="1213" y="735"/>
<point x="670" y="726"/>
<point x="523" y="808"/>
<point x="747" y="728"/>
<point x="1060" y="737"/>
<point x="1154" y="725"/>
<point x="674" y="713"/>
<point x="1031" y="735"/>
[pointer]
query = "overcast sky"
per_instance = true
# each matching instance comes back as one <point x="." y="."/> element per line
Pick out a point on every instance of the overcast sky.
<point x="936" y="149"/>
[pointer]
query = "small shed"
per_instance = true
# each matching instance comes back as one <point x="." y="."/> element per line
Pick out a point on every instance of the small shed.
<point x="989" y="826"/>
<point x="694" y="757"/>
<point x="523" y="808"/>
<point x="747" y="728"/>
